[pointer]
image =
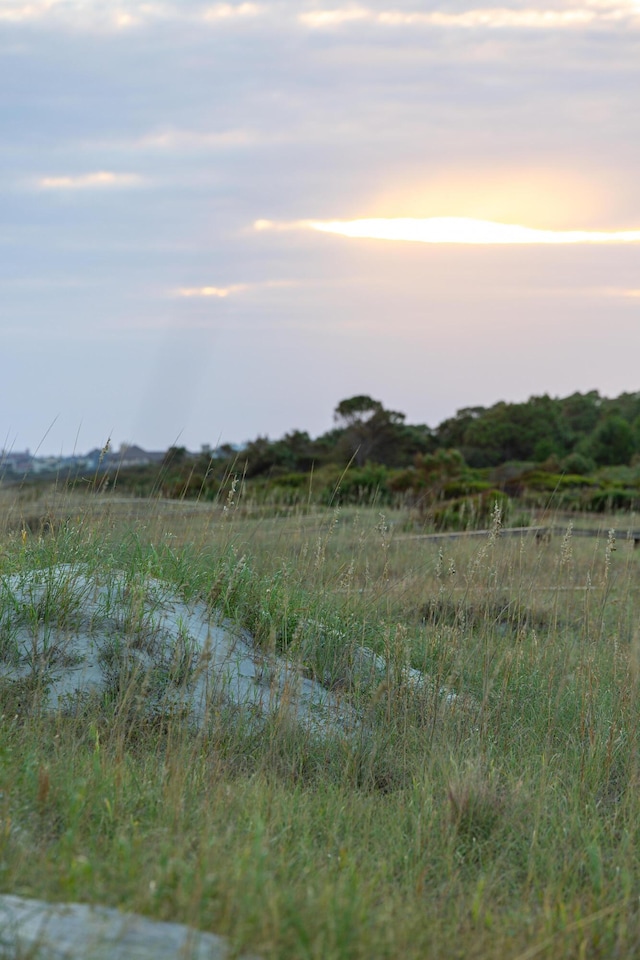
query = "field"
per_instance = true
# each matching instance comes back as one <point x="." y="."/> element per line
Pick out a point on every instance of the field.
<point x="502" y="822"/>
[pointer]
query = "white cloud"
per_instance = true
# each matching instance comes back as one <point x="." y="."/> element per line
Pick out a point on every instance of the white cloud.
<point x="577" y="15"/>
<point x="89" y="181"/>
<point x="493" y="17"/>
<point x="126" y="14"/>
<point x="280" y="226"/>
<point x="223" y="292"/>
<point x="21" y="12"/>
<point x="168" y="139"/>
<point x="173" y="138"/>
<point x="228" y="11"/>
<point x="334" y="18"/>
<point x="218" y="292"/>
<point x="96" y="15"/>
<point x="83" y="15"/>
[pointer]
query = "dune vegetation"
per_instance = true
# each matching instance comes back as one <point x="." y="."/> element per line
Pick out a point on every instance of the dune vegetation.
<point x="500" y="820"/>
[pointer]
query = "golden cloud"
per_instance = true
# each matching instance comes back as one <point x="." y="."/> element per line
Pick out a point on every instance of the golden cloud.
<point x="451" y="230"/>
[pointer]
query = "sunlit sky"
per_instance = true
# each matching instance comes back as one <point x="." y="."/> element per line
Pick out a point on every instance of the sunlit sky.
<point x="217" y="220"/>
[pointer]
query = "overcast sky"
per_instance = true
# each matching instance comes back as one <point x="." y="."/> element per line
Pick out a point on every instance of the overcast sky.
<point x="178" y="182"/>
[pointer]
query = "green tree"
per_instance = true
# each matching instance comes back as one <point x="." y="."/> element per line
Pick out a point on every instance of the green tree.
<point x="369" y="431"/>
<point x="627" y="406"/>
<point x="580" y="413"/>
<point x="451" y="433"/>
<point x="508" y="431"/>
<point x="612" y="442"/>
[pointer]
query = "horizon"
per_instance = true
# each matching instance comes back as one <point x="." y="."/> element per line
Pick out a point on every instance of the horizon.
<point x="111" y="447"/>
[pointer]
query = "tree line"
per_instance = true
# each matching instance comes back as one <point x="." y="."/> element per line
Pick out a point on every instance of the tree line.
<point x="567" y="445"/>
<point x="579" y="433"/>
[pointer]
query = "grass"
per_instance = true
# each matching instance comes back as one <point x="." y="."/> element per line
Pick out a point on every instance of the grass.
<point x="504" y="824"/>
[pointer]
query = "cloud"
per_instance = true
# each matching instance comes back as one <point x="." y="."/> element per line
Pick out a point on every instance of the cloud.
<point x="173" y="138"/>
<point x="125" y="14"/>
<point x="451" y="230"/>
<point x="167" y="139"/>
<point x="280" y="226"/>
<point x="83" y="15"/>
<point x="319" y="19"/>
<point x="479" y="17"/>
<point x="21" y="12"/>
<point x="219" y="292"/>
<point x="102" y="179"/>
<point x="223" y="292"/>
<point x="228" y="11"/>
<point x="632" y="293"/>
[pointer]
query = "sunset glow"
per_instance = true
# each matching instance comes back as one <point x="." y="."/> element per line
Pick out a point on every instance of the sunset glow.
<point x="464" y="230"/>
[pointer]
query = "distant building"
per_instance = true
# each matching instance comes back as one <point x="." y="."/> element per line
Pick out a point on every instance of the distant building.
<point x="130" y="455"/>
<point x="15" y="462"/>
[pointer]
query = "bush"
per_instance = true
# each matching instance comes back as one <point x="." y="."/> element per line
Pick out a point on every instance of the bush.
<point x="361" y="485"/>
<point x="607" y="501"/>
<point x="468" y="513"/>
<point x="578" y="463"/>
<point x="466" y="487"/>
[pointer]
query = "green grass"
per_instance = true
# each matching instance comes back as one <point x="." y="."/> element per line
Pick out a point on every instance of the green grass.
<point x="503" y="825"/>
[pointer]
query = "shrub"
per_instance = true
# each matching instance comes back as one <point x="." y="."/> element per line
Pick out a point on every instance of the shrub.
<point x="472" y="512"/>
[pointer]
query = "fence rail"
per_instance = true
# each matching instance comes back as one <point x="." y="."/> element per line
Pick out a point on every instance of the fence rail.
<point x="541" y="534"/>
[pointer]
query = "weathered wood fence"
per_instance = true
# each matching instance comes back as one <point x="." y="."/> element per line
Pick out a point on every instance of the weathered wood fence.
<point x="540" y="533"/>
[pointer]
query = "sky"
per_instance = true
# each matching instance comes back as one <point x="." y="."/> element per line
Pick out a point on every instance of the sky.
<point x="218" y="220"/>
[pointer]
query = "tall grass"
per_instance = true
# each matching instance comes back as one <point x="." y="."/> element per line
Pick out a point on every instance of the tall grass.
<point x="501" y="823"/>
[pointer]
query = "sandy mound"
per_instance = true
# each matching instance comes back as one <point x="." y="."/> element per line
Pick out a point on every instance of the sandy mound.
<point x="76" y="633"/>
<point x="76" y="931"/>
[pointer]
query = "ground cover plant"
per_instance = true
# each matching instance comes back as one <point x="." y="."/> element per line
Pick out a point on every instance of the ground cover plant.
<point x="501" y="823"/>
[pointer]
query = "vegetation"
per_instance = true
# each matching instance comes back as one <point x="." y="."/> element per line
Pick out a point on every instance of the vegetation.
<point x="583" y="449"/>
<point x="504" y="823"/>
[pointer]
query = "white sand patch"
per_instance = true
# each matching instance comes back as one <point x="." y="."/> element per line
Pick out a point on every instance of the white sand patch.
<point x="81" y="633"/>
<point x="76" y="931"/>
